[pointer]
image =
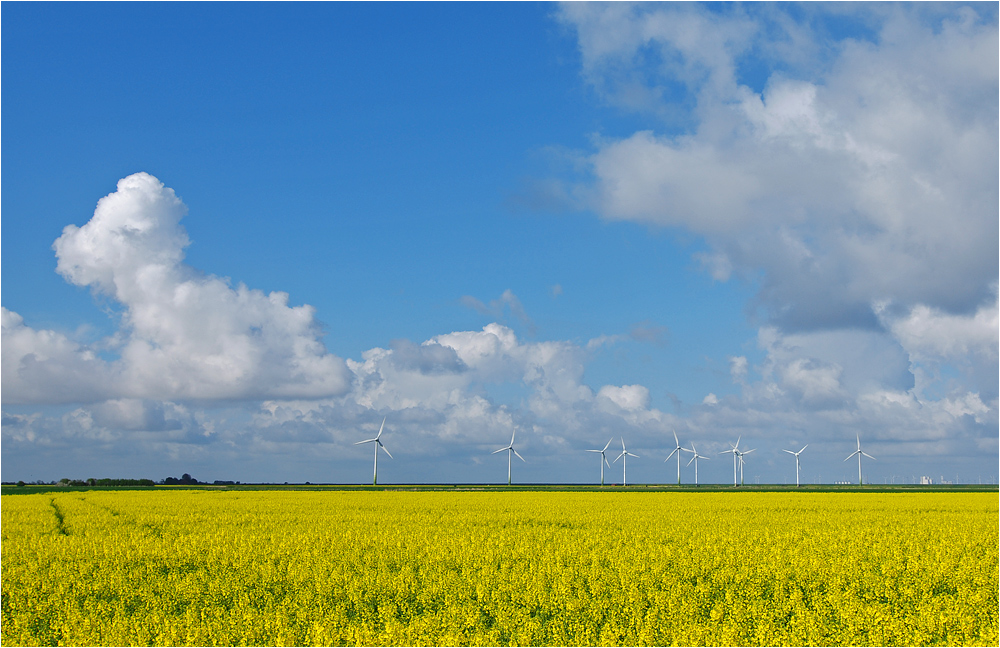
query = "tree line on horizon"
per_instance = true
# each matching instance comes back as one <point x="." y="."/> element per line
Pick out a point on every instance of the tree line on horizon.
<point x="184" y="480"/>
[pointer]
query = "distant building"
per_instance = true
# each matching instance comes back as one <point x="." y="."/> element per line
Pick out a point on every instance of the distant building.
<point x="926" y="481"/>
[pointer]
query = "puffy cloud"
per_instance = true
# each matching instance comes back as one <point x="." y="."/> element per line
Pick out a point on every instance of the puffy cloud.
<point x="929" y="333"/>
<point x="738" y="367"/>
<point x="141" y="415"/>
<point x="40" y="366"/>
<point x="184" y="335"/>
<point x="453" y="401"/>
<point x="863" y="170"/>
<point x="626" y="397"/>
<point x="934" y="340"/>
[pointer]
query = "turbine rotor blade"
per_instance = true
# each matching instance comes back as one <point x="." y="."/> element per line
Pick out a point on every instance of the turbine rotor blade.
<point x="365" y="441"/>
<point x="869" y="456"/>
<point x="789" y="452"/>
<point x="500" y="450"/>
<point x="386" y="451"/>
<point x="380" y="429"/>
<point x="608" y="443"/>
<point x="517" y="455"/>
<point x="671" y="454"/>
<point x="803" y="448"/>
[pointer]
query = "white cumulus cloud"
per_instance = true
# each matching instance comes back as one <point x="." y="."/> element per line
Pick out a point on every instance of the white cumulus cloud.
<point x="861" y="170"/>
<point x="184" y="334"/>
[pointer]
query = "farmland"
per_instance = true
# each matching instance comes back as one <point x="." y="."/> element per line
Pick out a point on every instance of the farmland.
<point x="527" y="568"/>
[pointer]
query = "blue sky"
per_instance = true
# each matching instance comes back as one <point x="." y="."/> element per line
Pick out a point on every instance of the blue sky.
<point x="772" y="223"/>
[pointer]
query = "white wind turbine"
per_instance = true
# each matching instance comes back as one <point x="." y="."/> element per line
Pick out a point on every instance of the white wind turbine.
<point x="797" y="462"/>
<point x="604" y="459"/>
<point x="735" y="450"/>
<point x="695" y="459"/>
<point x="677" y="451"/>
<point x="859" y="453"/>
<point x="510" y="449"/>
<point x="624" y="457"/>
<point x="378" y="444"/>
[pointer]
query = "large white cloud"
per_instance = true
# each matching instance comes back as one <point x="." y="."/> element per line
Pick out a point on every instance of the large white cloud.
<point x="864" y="170"/>
<point x="184" y="335"/>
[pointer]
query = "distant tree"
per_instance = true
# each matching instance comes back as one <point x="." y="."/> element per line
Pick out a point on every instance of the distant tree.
<point x="185" y="479"/>
<point x="20" y="483"/>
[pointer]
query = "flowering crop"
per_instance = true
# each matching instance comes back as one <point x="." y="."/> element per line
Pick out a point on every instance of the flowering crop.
<point x="498" y="568"/>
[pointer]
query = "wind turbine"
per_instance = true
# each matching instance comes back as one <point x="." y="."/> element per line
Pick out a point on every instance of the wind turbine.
<point x="859" y="453"/>
<point x="677" y="451"/>
<point x="509" y="450"/>
<point x="624" y="457"/>
<point x="604" y="459"/>
<point x="695" y="459"/>
<point x="797" y="462"/>
<point x="735" y="450"/>
<point x="378" y="444"/>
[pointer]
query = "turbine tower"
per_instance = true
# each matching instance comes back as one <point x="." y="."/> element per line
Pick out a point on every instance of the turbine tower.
<point x="677" y="451"/>
<point x="510" y="449"/>
<point x="797" y="462"/>
<point x="859" y="453"/>
<point x="604" y="459"/>
<point x="695" y="459"/>
<point x="378" y="444"/>
<point x="624" y="457"/>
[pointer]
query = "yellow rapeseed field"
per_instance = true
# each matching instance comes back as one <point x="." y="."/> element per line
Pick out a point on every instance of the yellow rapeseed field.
<point x="498" y="568"/>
